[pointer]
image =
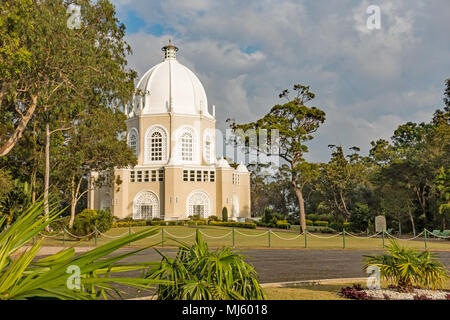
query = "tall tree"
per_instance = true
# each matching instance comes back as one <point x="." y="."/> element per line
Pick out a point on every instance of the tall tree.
<point x="295" y="123"/>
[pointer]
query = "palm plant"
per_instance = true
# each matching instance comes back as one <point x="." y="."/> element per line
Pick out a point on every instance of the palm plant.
<point x="408" y="267"/>
<point x="23" y="276"/>
<point x="200" y="274"/>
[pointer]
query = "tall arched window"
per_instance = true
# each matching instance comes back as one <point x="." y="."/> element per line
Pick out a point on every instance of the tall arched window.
<point x="155" y="145"/>
<point x="208" y="149"/>
<point x="133" y="141"/>
<point x="186" y="146"/>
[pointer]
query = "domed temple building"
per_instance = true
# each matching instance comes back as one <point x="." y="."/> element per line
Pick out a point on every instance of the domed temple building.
<point x="172" y="134"/>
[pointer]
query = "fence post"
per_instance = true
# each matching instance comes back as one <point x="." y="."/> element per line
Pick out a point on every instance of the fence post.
<point x="269" y="237"/>
<point x="343" y="237"/>
<point x="425" y="232"/>
<point x="64" y="236"/>
<point x="96" y="236"/>
<point x="306" y="239"/>
<point x="383" y="237"/>
<point x="233" y="238"/>
<point x="162" y="237"/>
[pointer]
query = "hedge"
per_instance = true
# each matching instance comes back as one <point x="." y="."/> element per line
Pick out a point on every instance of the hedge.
<point x="321" y="223"/>
<point x="247" y="225"/>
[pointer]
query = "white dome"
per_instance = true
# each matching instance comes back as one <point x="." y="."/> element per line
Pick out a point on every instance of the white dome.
<point x="170" y="85"/>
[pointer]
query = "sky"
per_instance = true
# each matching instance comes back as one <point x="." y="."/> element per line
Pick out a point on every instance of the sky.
<point x="368" y="81"/>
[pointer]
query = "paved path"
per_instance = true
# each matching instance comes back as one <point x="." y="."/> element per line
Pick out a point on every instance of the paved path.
<point x="288" y="265"/>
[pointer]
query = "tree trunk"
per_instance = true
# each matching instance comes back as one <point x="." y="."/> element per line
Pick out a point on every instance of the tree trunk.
<point x="301" y="203"/>
<point x="11" y="142"/>
<point x="412" y="221"/>
<point x="47" y="169"/>
<point x="73" y="204"/>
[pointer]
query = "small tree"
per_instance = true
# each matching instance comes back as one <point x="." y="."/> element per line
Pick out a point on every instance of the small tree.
<point x="295" y="123"/>
<point x="225" y="214"/>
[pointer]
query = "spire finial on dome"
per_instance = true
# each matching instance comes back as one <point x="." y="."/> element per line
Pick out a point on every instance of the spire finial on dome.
<point x="170" y="51"/>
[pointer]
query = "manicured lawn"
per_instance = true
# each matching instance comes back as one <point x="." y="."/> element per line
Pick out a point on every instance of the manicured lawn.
<point x="247" y="238"/>
<point x="316" y="292"/>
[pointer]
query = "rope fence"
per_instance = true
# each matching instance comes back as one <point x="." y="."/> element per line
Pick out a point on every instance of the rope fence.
<point x="237" y="237"/>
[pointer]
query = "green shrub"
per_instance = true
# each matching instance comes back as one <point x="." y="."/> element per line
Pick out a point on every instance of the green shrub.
<point x="86" y="222"/>
<point x="407" y="267"/>
<point x="319" y="223"/>
<point x="327" y="230"/>
<point x="213" y="218"/>
<point x="312" y="217"/>
<point x="309" y="222"/>
<point x="225" y="214"/>
<point x="233" y="224"/>
<point x="283" y="224"/>
<point x="201" y="274"/>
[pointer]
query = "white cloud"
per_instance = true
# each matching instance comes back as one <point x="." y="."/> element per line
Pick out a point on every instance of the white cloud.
<point x="246" y="52"/>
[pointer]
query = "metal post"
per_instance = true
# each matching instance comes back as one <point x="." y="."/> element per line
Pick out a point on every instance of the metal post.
<point x="306" y="239"/>
<point x="383" y="237"/>
<point x="129" y="230"/>
<point x="162" y="237"/>
<point x="64" y="236"/>
<point x="426" y="244"/>
<point x="343" y="237"/>
<point x="269" y="237"/>
<point x="233" y="238"/>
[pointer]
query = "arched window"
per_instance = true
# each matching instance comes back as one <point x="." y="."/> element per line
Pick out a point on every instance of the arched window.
<point x="186" y="146"/>
<point x="106" y="202"/>
<point x="133" y="141"/>
<point x="198" y="203"/>
<point x="145" y="206"/>
<point x="155" y="145"/>
<point x="208" y="149"/>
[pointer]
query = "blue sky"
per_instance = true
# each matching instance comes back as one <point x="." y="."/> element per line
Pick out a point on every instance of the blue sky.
<point x="246" y="52"/>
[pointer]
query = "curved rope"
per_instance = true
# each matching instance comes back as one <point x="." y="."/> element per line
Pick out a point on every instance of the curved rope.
<point x="251" y="235"/>
<point x="359" y="237"/>
<point x="50" y="237"/>
<point x="336" y="235"/>
<point x="390" y="235"/>
<point x="112" y="237"/>
<point x="287" y="239"/>
<point x="171" y="235"/>
<point x="221" y="237"/>
<point x="72" y="235"/>
<point x="438" y="236"/>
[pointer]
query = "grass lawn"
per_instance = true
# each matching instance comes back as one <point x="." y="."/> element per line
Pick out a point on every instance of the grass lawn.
<point x="246" y="238"/>
<point x="316" y="292"/>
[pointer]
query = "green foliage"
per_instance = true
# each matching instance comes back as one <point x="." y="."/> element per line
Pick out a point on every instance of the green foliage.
<point x="15" y="201"/>
<point x="360" y="217"/>
<point x="319" y="223"/>
<point x="201" y="274"/>
<point x="86" y="222"/>
<point x="224" y="214"/>
<point x="309" y="222"/>
<point x="247" y="225"/>
<point x="26" y="276"/>
<point x="408" y="267"/>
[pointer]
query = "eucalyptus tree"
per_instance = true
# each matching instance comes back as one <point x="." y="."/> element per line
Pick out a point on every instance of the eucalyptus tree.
<point x="64" y="71"/>
<point x="339" y="178"/>
<point x="296" y="124"/>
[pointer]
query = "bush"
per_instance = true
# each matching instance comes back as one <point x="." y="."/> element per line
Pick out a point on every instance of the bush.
<point x="312" y="217"/>
<point x="309" y="222"/>
<point x="408" y="267"/>
<point x="283" y="224"/>
<point x="225" y="214"/>
<point x="247" y="225"/>
<point x="319" y="223"/>
<point x="206" y="275"/>
<point x="327" y="230"/>
<point x="213" y="218"/>
<point x="86" y="222"/>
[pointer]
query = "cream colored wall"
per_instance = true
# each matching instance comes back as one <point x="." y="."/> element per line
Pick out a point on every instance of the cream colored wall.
<point x="174" y="192"/>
